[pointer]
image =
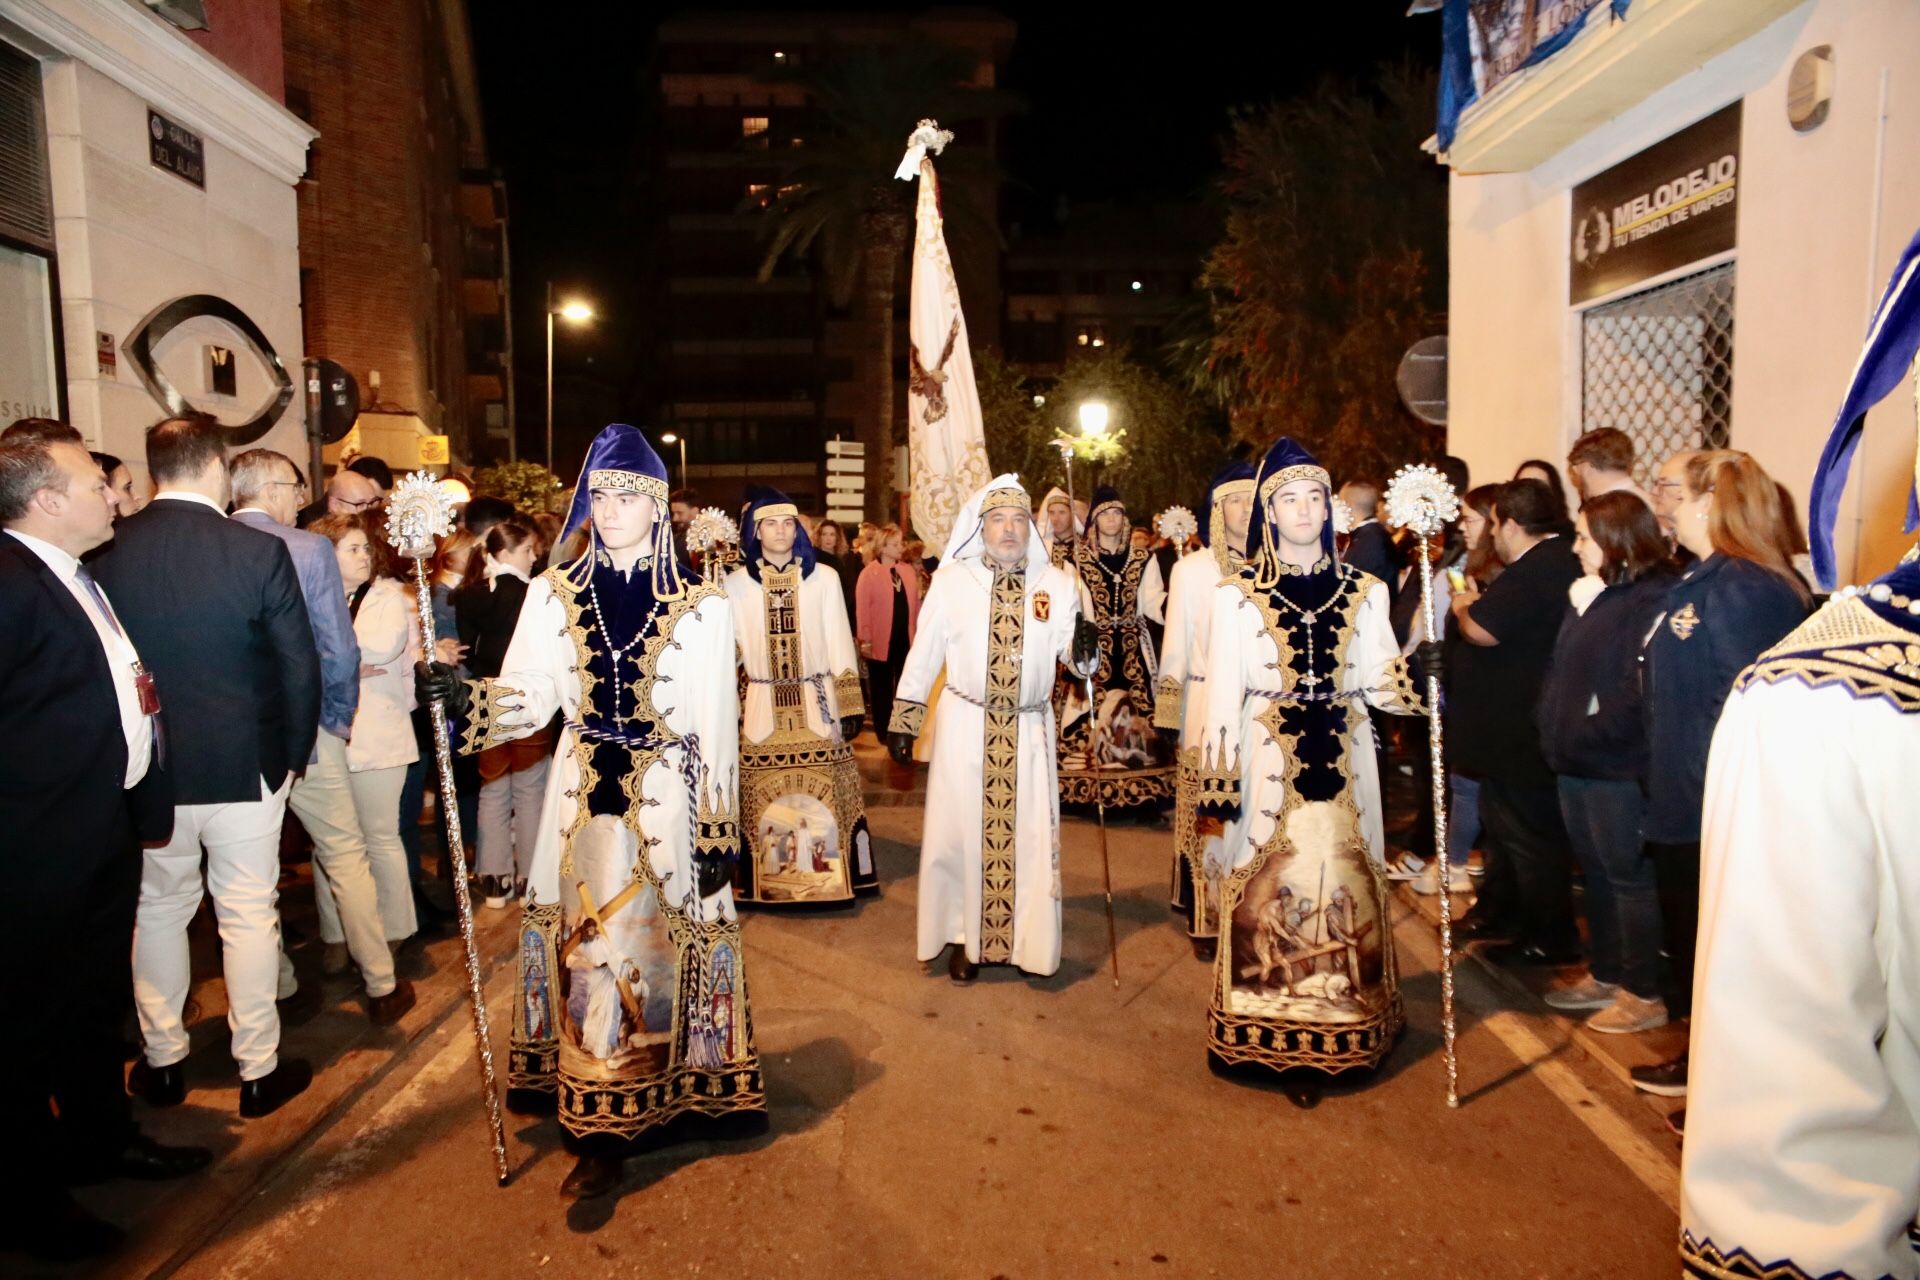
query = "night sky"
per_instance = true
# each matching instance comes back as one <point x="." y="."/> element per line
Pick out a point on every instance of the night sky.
<point x="1125" y="108"/>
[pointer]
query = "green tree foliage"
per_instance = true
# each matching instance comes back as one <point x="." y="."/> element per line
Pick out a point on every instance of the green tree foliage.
<point x="527" y="485"/>
<point x="1333" y="262"/>
<point x="1167" y="448"/>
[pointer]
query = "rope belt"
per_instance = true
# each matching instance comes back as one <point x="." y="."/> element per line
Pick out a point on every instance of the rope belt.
<point x="819" y="682"/>
<point x="1032" y="708"/>
<point x="1288" y="695"/>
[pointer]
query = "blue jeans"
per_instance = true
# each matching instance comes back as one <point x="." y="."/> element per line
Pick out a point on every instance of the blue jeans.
<point x="1463" y="817"/>
<point x="1604" y="822"/>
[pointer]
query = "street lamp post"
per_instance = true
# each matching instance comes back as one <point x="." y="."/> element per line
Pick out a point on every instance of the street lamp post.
<point x="672" y="438"/>
<point x="573" y="311"/>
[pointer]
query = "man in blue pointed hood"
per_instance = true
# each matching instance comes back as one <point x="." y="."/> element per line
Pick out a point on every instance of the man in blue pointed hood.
<point x="803" y="821"/>
<point x="628" y="925"/>
<point x="1300" y="646"/>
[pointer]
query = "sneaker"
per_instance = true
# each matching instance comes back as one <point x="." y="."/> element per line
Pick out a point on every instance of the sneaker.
<point x="1428" y="881"/>
<point x="495" y="890"/>
<point x="1408" y="867"/>
<point x="1627" y="1014"/>
<point x="1588" y="993"/>
<point x="1664" y="1080"/>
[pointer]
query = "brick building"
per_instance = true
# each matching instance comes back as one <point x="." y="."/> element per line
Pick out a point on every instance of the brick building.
<point x="403" y="250"/>
<point x="757" y="377"/>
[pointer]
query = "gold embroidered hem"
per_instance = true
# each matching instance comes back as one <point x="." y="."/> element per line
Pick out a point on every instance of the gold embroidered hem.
<point x="805" y="823"/>
<point x="1399" y="684"/>
<point x="847" y="696"/>
<point x="1217" y="778"/>
<point x="628" y="1109"/>
<point x="1329" y="1046"/>
<point x="1167" y="703"/>
<point x="1117" y="790"/>
<point x="1193" y="893"/>
<point x="908" y="717"/>
<point x="490" y="703"/>
<point x="1703" y="1260"/>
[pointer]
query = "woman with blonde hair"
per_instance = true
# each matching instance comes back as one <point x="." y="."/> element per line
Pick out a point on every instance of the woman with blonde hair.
<point x="381" y="744"/>
<point x="1738" y="599"/>
<point x="887" y="615"/>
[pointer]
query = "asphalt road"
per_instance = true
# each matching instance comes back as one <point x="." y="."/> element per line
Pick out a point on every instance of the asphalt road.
<point x="1016" y="1128"/>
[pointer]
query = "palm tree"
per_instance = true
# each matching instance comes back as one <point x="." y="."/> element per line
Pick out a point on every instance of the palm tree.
<point x="838" y="196"/>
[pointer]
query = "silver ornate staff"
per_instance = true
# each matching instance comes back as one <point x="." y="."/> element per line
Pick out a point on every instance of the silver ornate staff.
<point x="1420" y="498"/>
<point x="420" y="512"/>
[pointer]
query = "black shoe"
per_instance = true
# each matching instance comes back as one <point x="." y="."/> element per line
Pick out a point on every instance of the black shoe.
<point x="1665" y="1080"/>
<point x="158" y="1086"/>
<point x="532" y="1102"/>
<point x="388" y="1009"/>
<point x="1532" y="955"/>
<point x="496" y="891"/>
<point x="592" y="1177"/>
<point x="1474" y="927"/>
<point x="64" y="1231"/>
<point x="959" y="968"/>
<point x="270" y="1092"/>
<point x="1205" y="948"/>
<point x="144" y="1160"/>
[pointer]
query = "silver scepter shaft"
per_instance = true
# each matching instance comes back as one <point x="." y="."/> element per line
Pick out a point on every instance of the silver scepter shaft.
<point x="450" y="810"/>
<point x="1445" y="872"/>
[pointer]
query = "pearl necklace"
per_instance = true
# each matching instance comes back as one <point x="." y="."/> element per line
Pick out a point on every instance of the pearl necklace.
<point x="600" y="624"/>
<point x="1310" y="616"/>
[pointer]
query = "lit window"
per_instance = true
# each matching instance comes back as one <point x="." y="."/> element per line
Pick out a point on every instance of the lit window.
<point x="752" y="126"/>
<point x="758" y="191"/>
<point x="1082" y="337"/>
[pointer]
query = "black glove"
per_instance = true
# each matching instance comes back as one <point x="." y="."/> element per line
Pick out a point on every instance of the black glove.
<point x="850" y="726"/>
<point x="900" y="747"/>
<point x="711" y="871"/>
<point x="1430" y="659"/>
<point x="438" y="682"/>
<point x="1086" y="642"/>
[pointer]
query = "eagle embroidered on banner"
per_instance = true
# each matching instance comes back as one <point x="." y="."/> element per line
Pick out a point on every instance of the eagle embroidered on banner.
<point x="931" y="384"/>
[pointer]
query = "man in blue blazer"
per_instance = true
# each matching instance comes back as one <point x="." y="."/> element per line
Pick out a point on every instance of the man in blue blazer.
<point x="266" y="496"/>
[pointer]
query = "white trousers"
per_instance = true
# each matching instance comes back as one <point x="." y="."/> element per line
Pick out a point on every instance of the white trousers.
<point x="375" y="795"/>
<point x="242" y="842"/>
<point x="343" y="881"/>
<point x="509" y="818"/>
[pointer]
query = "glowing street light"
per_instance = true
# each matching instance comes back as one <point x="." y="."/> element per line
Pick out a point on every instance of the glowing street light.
<point x="573" y="311"/>
<point x="670" y="438"/>
<point x="1093" y="419"/>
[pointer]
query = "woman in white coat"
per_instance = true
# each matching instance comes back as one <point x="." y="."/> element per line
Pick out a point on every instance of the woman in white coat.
<point x="382" y="744"/>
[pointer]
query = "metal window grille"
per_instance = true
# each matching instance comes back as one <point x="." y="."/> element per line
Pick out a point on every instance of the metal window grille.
<point x="26" y="210"/>
<point x="1658" y="365"/>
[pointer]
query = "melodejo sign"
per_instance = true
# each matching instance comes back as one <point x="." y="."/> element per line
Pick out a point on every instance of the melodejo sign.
<point x="1672" y="204"/>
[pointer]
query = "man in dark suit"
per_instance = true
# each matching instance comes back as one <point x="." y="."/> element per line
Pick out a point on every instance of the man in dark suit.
<point x="1369" y="546"/>
<point x="215" y="609"/>
<point x="81" y="787"/>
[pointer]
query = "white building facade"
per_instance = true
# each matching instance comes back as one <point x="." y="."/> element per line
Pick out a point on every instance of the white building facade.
<point x="1678" y="225"/>
<point x="148" y="231"/>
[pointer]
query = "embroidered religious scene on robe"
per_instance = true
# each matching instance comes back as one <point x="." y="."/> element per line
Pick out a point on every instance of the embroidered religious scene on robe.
<point x="1304" y="971"/>
<point x="632" y="1007"/>
<point x="803" y="824"/>
<point x="1109" y="750"/>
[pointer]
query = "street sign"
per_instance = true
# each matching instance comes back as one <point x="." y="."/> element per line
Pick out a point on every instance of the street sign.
<point x="846" y="481"/>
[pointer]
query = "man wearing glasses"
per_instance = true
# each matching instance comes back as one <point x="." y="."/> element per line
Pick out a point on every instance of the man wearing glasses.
<point x="348" y="494"/>
<point x="1669" y="488"/>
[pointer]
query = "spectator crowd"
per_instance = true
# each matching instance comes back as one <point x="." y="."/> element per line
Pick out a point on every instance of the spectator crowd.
<point x="229" y="660"/>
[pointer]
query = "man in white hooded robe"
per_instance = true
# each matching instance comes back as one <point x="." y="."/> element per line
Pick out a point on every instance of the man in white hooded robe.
<point x="1000" y="619"/>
